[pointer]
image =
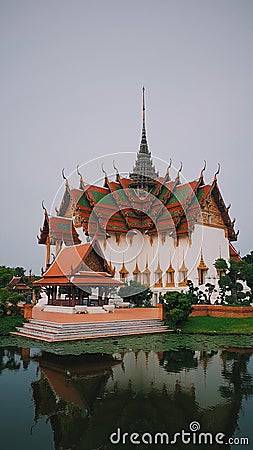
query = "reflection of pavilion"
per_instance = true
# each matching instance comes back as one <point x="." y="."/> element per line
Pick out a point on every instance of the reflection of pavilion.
<point x="67" y="390"/>
<point x="148" y="391"/>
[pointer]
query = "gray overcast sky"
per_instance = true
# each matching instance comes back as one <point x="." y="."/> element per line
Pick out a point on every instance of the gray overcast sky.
<point x="70" y="90"/>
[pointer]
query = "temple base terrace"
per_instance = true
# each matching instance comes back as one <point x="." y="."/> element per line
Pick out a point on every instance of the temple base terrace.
<point x="59" y="326"/>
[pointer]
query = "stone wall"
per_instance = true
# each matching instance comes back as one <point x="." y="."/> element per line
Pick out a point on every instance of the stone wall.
<point x="222" y="311"/>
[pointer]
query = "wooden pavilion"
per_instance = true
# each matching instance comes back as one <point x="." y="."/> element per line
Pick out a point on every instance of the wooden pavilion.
<point x="75" y="270"/>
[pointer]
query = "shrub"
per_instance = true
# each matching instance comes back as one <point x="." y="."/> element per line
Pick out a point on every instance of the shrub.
<point x="177" y="307"/>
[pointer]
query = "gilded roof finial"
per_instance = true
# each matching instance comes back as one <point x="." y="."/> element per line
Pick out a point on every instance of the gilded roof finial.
<point x="106" y="177"/>
<point x="167" y="173"/>
<point x="143" y="108"/>
<point x="117" y="172"/>
<point x="144" y="144"/>
<point x="44" y="208"/>
<point x="81" y="184"/>
<point x="217" y="172"/>
<point x="64" y="177"/>
<point x="178" y="172"/>
<point x="203" y="170"/>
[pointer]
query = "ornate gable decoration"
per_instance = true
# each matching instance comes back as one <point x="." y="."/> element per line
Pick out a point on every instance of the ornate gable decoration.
<point x="210" y="214"/>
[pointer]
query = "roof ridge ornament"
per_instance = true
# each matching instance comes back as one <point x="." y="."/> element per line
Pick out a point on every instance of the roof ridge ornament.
<point x="178" y="172"/>
<point x="202" y="170"/>
<point x="81" y="184"/>
<point x="167" y="173"/>
<point x="216" y="173"/>
<point x="116" y="170"/>
<point x="106" y="181"/>
<point x="65" y="178"/>
<point x="44" y="208"/>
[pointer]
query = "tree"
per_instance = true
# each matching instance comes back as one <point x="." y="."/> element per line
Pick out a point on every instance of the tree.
<point x="248" y="258"/>
<point x="193" y="292"/>
<point x="6" y="274"/>
<point x="177" y="306"/>
<point x="230" y="282"/>
<point x="19" y="271"/>
<point x="9" y="301"/>
<point x="135" y="293"/>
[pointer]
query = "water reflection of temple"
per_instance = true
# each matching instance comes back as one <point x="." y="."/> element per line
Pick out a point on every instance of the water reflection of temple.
<point x="86" y="398"/>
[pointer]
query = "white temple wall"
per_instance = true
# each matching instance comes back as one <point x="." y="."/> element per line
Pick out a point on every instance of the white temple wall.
<point x="211" y="241"/>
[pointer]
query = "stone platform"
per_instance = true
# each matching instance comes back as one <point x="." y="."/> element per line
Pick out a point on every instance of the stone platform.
<point x="58" y="326"/>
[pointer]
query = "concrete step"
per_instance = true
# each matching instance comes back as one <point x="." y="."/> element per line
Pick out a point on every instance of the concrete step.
<point x="54" y="338"/>
<point x="91" y="328"/>
<point x="57" y="331"/>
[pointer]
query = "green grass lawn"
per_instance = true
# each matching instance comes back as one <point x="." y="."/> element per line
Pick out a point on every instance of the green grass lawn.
<point x="9" y="323"/>
<point x="218" y="325"/>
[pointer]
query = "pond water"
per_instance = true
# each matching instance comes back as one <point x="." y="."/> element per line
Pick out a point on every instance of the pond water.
<point x="122" y="394"/>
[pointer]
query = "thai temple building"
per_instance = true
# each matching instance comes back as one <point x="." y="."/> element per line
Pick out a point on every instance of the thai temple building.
<point x="150" y="228"/>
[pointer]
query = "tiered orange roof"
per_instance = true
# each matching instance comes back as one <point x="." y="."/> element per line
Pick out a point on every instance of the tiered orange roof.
<point x="143" y="201"/>
<point x="72" y="266"/>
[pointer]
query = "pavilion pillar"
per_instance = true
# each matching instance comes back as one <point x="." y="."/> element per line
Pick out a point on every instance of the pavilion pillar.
<point x="106" y="296"/>
<point x="49" y="294"/>
<point x="100" y="296"/>
<point x="54" y="289"/>
<point x="72" y="296"/>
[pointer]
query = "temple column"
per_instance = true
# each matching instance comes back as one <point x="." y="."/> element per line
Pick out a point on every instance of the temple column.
<point x="100" y="295"/>
<point x="58" y="247"/>
<point x="72" y="297"/>
<point x="48" y="252"/>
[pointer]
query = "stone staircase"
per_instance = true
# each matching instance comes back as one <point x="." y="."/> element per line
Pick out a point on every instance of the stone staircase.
<point x="54" y="331"/>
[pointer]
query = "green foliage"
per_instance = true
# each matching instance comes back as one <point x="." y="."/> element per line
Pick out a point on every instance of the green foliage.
<point x="218" y="325"/>
<point x="137" y="294"/>
<point x="19" y="271"/>
<point x="197" y="296"/>
<point x="221" y="264"/>
<point x="9" y="301"/>
<point x="9" y="323"/>
<point x="230" y="284"/>
<point x="248" y="258"/>
<point x="209" y="289"/>
<point x="177" y="307"/>
<point x="193" y="293"/>
<point x="6" y="274"/>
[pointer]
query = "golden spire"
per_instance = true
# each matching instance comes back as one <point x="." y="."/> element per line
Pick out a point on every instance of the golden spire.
<point x="123" y="269"/>
<point x="136" y="270"/>
<point x="202" y="265"/>
<point x="183" y="267"/>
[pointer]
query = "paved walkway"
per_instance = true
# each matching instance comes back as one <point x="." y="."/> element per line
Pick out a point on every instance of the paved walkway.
<point x="119" y="314"/>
